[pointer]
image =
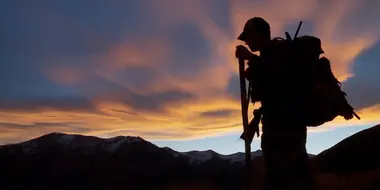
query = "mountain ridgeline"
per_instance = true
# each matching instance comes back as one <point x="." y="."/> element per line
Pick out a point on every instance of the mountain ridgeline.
<point x="62" y="161"/>
<point x="85" y="162"/>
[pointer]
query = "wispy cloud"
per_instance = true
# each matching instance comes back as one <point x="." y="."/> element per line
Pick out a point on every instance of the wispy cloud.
<point x="158" y="69"/>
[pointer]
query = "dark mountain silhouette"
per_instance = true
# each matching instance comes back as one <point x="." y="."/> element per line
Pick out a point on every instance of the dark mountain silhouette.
<point x="358" y="153"/>
<point x="61" y="161"/>
<point x="353" y="163"/>
<point x="84" y="162"/>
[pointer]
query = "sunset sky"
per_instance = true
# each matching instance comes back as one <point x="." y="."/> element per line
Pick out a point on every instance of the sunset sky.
<point x="165" y="69"/>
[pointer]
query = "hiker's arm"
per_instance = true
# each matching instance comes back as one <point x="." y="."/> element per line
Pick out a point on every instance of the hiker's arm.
<point x="253" y="60"/>
<point x="252" y="65"/>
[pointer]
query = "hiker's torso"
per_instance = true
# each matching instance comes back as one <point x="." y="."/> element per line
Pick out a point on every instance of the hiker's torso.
<point x="283" y="99"/>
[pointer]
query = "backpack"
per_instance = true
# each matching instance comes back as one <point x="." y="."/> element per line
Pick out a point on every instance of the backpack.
<point x="324" y="98"/>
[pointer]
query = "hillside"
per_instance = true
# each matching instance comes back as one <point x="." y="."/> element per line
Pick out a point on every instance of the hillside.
<point x="358" y="153"/>
<point x="352" y="163"/>
<point x="62" y="161"/>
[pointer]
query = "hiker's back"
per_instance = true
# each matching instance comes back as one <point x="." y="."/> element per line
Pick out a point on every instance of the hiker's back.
<point x="283" y="98"/>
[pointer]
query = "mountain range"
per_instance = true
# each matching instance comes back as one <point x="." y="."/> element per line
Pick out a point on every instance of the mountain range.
<point x="66" y="161"/>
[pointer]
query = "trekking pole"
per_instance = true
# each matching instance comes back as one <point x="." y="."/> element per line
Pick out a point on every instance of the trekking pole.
<point x="244" y="114"/>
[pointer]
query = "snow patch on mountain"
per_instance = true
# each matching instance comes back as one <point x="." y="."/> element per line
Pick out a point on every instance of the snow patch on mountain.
<point x="240" y="156"/>
<point x="112" y="144"/>
<point x="199" y="156"/>
<point x="88" y="144"/>
<point x="237" y="157"/>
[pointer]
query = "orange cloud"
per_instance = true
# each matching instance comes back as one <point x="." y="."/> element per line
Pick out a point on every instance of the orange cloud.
<point x="65" y="75"/>
<point x="116" y="119"/>
<point x="203" y="114"/>
<point x="138" y="54"/>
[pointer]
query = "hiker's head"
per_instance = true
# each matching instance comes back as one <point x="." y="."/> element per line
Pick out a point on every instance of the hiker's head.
<point x="256" y="33"/>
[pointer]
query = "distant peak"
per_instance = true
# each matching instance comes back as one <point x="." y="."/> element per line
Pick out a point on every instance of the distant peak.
<point x="127" y="138"/>
<point x="54" y="134"/>
<point x="112" y="144"/>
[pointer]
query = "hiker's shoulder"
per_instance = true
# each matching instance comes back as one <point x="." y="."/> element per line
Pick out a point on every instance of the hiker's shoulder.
<point x="279" y="43"/>
<point x="280" y="46"/>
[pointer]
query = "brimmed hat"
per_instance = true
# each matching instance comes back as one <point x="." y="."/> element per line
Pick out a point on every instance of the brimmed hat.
<point x="253" y="25"/>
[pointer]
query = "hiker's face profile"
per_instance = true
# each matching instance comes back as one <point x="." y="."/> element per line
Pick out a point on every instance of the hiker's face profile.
<point x="253" y="42"/>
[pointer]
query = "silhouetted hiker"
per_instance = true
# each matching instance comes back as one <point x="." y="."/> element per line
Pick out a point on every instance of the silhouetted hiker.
<point x="296" y="89"/>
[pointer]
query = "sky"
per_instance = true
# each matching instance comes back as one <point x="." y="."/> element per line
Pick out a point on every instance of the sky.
<point x="165" y="70"/>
